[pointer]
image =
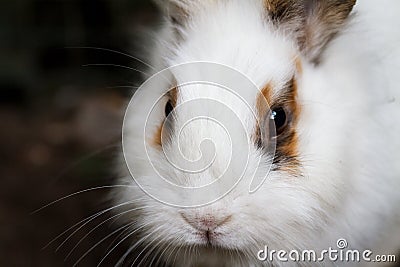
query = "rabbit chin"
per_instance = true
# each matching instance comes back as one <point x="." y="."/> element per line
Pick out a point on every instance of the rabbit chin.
<point x="235" y="243"/>
<point x="195" y="249"/>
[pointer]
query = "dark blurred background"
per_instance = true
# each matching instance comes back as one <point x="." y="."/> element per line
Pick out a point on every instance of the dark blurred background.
<point x="61" y="121"/>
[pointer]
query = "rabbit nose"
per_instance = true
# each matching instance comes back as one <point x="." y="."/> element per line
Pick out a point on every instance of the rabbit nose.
<point x="206" y="222"/>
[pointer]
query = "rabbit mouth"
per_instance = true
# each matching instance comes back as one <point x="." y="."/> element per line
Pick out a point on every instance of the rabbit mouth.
<point x="209" y="238"/>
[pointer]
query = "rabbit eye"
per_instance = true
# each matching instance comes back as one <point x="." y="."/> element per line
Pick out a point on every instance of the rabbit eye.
<point x="280" y="119"/>
<point x="168" y="108"/>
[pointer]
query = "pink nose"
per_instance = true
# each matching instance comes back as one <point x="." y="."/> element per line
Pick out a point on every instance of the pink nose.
<point x="206" y="222"/>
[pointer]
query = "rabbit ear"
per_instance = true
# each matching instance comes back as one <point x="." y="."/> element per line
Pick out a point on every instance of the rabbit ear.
<point x="312" y="22"/>
<point x="177" y="11"/>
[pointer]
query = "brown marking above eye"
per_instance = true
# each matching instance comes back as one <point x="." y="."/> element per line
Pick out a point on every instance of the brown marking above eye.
<point x="286" y="155"/>
<point x="172" y="96"/>
<point x="262" y="108"/>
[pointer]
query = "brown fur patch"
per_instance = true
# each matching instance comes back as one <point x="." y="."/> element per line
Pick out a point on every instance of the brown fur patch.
<point x="326" y="19"/>
<point x="173" y="95"/>
<point x="157" y="137"/>
<point x="262" y="107"/>
<point x="312" y="23"/>
<point x="299" y="65"/>
<point x="283" y="11"/>
<point x="286" y="155"/>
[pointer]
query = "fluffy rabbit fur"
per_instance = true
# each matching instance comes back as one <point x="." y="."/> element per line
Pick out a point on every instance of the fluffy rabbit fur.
<point x="336" y="172"/>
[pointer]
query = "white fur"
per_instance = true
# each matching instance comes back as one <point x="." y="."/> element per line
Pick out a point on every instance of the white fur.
<point x="348" y="138"/>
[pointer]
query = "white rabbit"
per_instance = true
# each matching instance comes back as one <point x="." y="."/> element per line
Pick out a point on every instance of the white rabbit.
<point x="329" y="71"/>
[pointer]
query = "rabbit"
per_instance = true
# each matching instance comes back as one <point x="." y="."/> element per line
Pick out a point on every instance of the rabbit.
<point x="326" y="80"/>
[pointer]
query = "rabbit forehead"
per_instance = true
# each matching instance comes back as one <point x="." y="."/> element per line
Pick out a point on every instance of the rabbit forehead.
<point x="237" y="34"/>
